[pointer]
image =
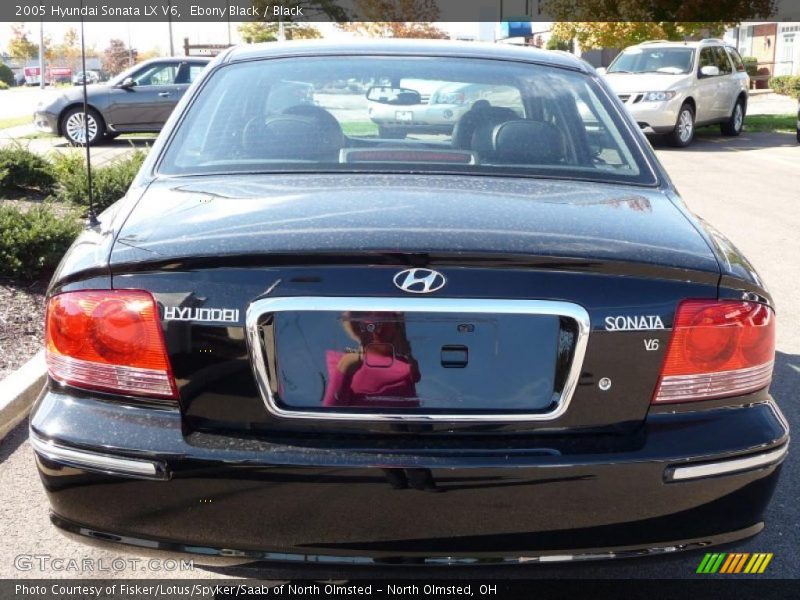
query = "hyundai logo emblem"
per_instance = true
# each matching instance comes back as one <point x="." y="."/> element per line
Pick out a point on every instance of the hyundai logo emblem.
<point x="419" y="281"/>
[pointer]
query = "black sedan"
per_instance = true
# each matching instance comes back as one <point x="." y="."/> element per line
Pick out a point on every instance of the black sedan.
<point x="296" y="340"/>
<point x="138" y="100"/>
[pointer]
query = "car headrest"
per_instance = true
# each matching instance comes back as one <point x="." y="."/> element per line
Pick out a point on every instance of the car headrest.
<point x="528" y="142"/>
<point x="480" y="115"/>
<point x="301" y="132"/>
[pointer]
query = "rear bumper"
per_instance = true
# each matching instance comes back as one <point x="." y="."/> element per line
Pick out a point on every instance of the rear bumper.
<point x="254" y="500"/>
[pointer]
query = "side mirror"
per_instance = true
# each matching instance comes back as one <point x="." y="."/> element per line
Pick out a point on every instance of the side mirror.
<point x="384" y="94"/>
<point x="127" y="83"/>
<point x="709" y="71"/>
<point x="601" y="71"/>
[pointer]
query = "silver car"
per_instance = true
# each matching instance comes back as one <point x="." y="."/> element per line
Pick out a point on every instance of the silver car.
<point x="673" y="87"/>
<point x="137" y="100"/>
<point x="438" y="114"/>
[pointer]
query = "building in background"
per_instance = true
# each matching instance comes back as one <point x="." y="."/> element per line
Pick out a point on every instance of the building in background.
<point x="787" y="49"/>
<point x="776" y="46"/>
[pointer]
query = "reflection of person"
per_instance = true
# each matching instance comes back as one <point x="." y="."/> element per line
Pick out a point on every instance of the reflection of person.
<point x="380" y="371"/>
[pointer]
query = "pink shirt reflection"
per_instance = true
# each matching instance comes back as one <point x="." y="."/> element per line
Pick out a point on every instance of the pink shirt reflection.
<point x="382" y="381"/>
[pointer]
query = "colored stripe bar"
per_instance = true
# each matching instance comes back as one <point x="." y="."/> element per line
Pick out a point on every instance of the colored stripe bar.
<point x="765" y="563"/>
<point x="715" y="567"/>
<point x="727" y="565"/>
<point x="739" y="565"/>
<point x="703" y="563"/>
<point x="749" y="566"/>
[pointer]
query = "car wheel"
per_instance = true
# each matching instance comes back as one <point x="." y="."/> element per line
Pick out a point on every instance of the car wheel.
<point x="74" y="128"/>
<point x="391" y="133"/>
<point x="683" y="133"/>
<point x="733" y="126"/>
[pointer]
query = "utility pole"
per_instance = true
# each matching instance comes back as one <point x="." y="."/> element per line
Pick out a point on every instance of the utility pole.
<point x="130" y="47"/>
<point x="281" y="30"/>
<point x="41" y="55"/>
<point x="169" y="20"/>
<point x="228" y="16"/>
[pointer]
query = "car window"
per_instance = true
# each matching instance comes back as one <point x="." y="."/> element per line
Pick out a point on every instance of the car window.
<point x="722" y="61"/>
<point x="708" y="58"/>
<point x="653" y="60"/>
<point x="194" y="71"/>
<point x="409" y="115"/>
<point x="158" y="74"/>
<point x="738" y="64"/>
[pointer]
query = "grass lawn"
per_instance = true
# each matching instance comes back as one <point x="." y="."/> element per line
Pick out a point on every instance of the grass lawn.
<point x="783" y="123"/>
<point x="16" y="121"/>
<point x="41" y="135"/>
<point x="359" y="128"/>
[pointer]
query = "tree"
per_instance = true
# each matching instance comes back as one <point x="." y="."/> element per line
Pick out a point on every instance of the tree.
<point x="259" y="31"/>
<point x="70" y="47"/>
<point x="604" y="24"/>
<point x="20" y="46"/>
<point x="117" y="57"/>
<point x="406" y="19"/>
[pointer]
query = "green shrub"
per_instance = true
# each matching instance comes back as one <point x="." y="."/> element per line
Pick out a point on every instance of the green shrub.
<point x="750" y="65"/>
<point x="6" y="77"/>
<point x="556" y="43"/>
<point x="34" y="240"/>
<point x="109" y="183"/>
<point x="787" y="85"/>
<point x="22" y="169"/>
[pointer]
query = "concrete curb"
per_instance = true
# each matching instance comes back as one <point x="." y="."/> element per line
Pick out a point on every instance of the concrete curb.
<point x="19" y="390"/>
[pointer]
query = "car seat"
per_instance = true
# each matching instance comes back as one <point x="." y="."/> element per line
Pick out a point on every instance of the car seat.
<point x="528" y="142"/>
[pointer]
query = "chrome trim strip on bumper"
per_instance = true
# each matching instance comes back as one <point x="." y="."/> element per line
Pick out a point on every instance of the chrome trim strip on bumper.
<point x="755" y="461"/>
<point x="258" y="309"/>
<point x="94" y="461"/>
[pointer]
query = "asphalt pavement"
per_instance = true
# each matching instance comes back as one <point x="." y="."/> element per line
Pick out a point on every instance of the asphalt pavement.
<point x="748" y="188"/>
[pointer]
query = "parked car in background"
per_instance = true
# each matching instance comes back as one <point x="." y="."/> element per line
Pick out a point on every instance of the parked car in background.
<point x="291" y="333"/>
<point x="91" y="77"/>
<point x="673" y="87"/>
<point x="137" y="100"/>
<point x="52" y="75"/>
<point x="441" y="111"/>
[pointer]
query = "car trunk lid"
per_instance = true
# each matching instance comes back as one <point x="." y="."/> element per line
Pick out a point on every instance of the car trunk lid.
<point x="283" y="308"/>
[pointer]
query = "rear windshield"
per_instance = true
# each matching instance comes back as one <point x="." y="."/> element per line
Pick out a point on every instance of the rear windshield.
<point x="409" y="114"/>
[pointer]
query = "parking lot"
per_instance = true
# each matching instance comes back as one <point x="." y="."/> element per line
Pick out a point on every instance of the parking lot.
<point x="747" y="187"/>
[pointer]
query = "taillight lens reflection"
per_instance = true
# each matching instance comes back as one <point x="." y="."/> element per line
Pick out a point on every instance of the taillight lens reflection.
<point x="717" y="349"/>
<point x="109" y="340"/>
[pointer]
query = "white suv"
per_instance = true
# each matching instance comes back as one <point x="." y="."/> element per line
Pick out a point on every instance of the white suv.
<point x="672" y="87"/>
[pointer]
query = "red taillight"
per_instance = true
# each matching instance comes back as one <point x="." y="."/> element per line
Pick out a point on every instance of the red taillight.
<point x="108" y="340"/>
<point x="718" y="348"/>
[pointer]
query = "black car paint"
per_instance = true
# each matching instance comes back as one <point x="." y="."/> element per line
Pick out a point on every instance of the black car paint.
<point x="245" y="483"/>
